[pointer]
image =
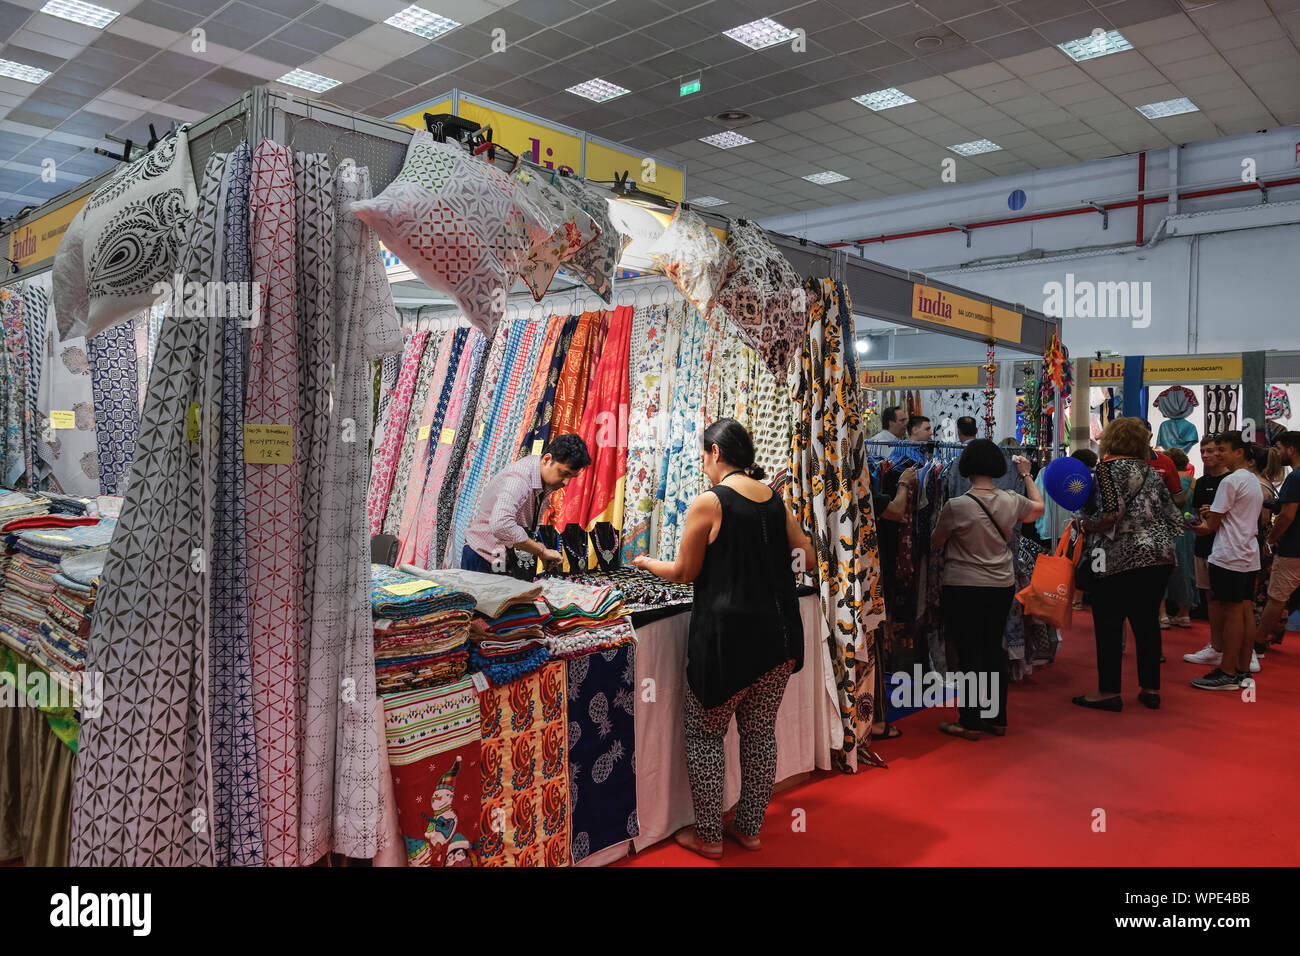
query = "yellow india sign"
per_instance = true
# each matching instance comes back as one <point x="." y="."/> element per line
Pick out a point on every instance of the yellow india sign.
<point x="950" y="376"/>
<point x="969" y="315"/>
<point x="39" y="240"/>
<point x="544" y="145"/>
<point x="1158" y="371"/>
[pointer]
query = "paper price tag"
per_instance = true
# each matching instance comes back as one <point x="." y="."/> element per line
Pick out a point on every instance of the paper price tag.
<point x="62" y="419"/>
<point x="537" y="447"/>
<point x="268" y="444"/>
<point x="383" y="624"/>
<point x="55" y="537"/>
<point x="407" y="587"/>
<point x="192" y="423"/>
<point x="424" y="433"/>
<point x="482" y="426"/>
<point x="447" y="437"/>
<point x="480" y="681"/>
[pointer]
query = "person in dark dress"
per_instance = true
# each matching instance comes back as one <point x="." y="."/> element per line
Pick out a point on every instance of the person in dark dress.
<point x="742" y="547"/>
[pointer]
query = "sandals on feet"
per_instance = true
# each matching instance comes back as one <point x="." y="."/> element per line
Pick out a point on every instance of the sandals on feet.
<point x="688" y="839"/>
<point x="889" y="733"/>
<point x="957" y="730"/>
<point x="744" y="839"/>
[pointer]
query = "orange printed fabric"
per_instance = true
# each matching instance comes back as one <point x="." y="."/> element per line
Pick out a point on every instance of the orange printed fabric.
<point x="571" y="396"/>
<point x="537" y="387"/>
<point x="597" y="493"/>
<point x="524" y="762"/>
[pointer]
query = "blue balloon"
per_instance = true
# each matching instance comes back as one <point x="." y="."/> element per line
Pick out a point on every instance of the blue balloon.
<point x="1068" y="481"/>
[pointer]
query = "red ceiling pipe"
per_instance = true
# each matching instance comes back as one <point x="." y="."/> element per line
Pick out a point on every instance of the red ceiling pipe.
<point x="1142" y="185"/>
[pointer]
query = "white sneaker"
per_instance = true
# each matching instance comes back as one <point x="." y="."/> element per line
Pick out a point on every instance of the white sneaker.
<point x="1254" y="663"/>
<point x="1206" y="655"/>
<point x="1164" y="622"/>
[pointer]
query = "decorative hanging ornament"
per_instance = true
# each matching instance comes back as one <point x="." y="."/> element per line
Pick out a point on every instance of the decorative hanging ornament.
<point x="990" y="391"/>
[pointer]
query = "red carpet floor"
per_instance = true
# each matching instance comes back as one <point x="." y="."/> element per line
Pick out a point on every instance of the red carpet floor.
<point x="1207" y="780"/>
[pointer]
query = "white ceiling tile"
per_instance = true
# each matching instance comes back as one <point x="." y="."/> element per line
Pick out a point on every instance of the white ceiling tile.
<point x="335" y="69"/>
<point x="368" y="58"/>
<point x="107" y="108"/>
<point x="1137" y="80"/>
<point x="397" y="42"/>
<point x="983" y="75"/>
<point x="1274" y="71"/>
<point x="61" y="48"/>
<point x="214" y="53"/>
<point x="840" y="110"/>
<point x="1157" y="31"/>
<point x="128" y="100"/>
<point x="1247" y="34"/>
<point x="1150" y="94"/>
<point x="257" y="66"/>
<point x="61" y="29"/>
<point x="1198" y="66"/>
<point x="1182" y="48"/>
<point x="142" y="32"/>
<point x="928" y="88"/>
<point x="383" y="9"/>
<point x="1215" y="82"/>
<point x="17" y="87"/>
<point x="1076" y="94"/>
<point x="1223" y="16"/>
<point x="1040" y="61"/>
<point x="180" y="113"/>
<point x="1115" y="64"/>
<point x="1057" y="79"/>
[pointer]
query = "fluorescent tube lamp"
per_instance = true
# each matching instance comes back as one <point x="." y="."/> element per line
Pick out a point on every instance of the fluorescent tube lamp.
<point x="975" y="147"/>
<point x="761" y="34"/>
<point x="306" y="80"/>
<point x="883" y="99"/>
<point x="78" y="12"/>
<point x="726" y="140"/>
<point x="826" y="178"/>
<point x="598" y="90"/>
<point x="422" y="22"/>
<point x="21" y="71"/>
<point x="1095" y="45"/>
<point x="1168" y="108"/>
<point x="707" y="201"/>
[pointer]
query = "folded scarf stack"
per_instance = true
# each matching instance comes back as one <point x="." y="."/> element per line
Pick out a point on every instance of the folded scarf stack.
<point x="583" y="619"/>
<point x="641" y="590"/>
<point x="66" y="627"/>
<point x="15" y="505"/>
<point x="421" y="631"/>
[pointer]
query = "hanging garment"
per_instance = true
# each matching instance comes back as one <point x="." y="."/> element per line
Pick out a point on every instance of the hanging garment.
<point x="342" y="809"/>
<point x="112" y="379"/>
<point x="684" y="479"/>
<point x="1277" y="404"/>
<point x="274" y="507"/>
<point x="537" y="388"/>
<point x="1220" y="408"/>
<point x="386" y="376"/>
<point x="36" y="303"/>
<point x="1178" y="433"/>
<point x="388" y="449"/>
<point x="773" y="420"/>
<point x="832" y="499"/>
<point x="236" y="803"/>
<point x="18" y="452"/>
<point x="433" y="348"/>
<point x="474" y="400"/>
<point x="644" y="439"/>
<point x="544" y="413"/>
<point x="505" y="447"/>
<point x="142" y="791"/>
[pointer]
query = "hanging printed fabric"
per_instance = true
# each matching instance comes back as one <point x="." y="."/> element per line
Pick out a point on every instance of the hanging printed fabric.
<point x="18" y="462"/>
<point x="36" y="303"/>
<point x="524" y="765"/>
<point x="387" y="450"/>
<point x="831" y="496"/>
<point x="577" y="229"/>
<point x="438" y="341"/>
<point x="764" y="298"/>
<point x="390" y="370"/>
<point x="541" y="372"/>
<point x="644" y="439"/>
<point x="505" y="447"/>
<point x="274" y="505"/>
<point x="342" y="809"/>
<point x="539" y="430"/>
<point x="433" y="746"/>
<point x="684" y="478"/>
<point x="570" y="402"/>
<point x="602" y="742"/>
<point x="113" y="384"/>
<point x="477" y="396"/>
<point x="142" y="796"/>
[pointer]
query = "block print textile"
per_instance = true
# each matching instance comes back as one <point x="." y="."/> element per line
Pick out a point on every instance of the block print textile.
<point x="577" y="229"/>
<point x="425" y="439"/>
<point x="645" y="438"/>
<point x="433" y="347"/>
<point x="694" y="258"/>
<point x="389" y="447"/>
<point x="117" y="416"/>
<point x="524" y="765"/>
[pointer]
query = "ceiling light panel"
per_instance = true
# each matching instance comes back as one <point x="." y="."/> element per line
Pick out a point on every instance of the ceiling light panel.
<point x="826" y="178"/>
<point x="761" y="34"/>
<point x="1095" y="45"/>
<point x="306" y="80"/>
<point x="422" y="22"/>
<point x="598" y="90"/>
<point x="1168" y="108"/>
<point x="975" y="147"/>
<point x="707" y="201"/>
<point x="727" y="140"/>
<point x="21" y="71"/>
<point x="78" y="12"/>
<point x="883" y="99"/>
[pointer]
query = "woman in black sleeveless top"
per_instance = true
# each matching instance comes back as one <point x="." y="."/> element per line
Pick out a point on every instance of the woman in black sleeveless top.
<point x="741" y="546"/>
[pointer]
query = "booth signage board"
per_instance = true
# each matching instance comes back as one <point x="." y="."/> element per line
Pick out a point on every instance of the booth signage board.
<point x="38" y="240"/>
<point x="969" y="315"/>
<point x="604" y="162"/>
<point x="1194" y="369"/>
<point x="946" y="377"/>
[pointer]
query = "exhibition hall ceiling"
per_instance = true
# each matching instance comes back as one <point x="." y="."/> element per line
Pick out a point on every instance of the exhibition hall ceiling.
<point x="972" y="74"/>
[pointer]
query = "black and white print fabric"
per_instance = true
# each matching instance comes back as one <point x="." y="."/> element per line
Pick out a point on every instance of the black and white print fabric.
<point x="764" y="298"/>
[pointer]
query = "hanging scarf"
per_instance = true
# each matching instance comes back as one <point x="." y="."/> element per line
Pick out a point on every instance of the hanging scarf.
<point x="113" y="383"/>
<point x="383" y="466"/>
<point x="644" y="440"/>
<point x="36" y="311"/>
<point x="437" y="344"/>
<point x="544" y="414"/>
<point x="537" y="388"/>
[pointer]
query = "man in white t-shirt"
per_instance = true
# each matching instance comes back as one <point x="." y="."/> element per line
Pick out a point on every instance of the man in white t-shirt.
<point x="1233" y="519"/>
<point x="893" y="425"/>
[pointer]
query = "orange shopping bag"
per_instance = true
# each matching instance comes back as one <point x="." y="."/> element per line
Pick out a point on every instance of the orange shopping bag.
<point x="1050" y="594"/>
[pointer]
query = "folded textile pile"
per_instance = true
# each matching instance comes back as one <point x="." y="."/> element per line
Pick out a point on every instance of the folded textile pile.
<point x="504" y="662"/>
<point x="15" y="505"/>
<point x="494" y="594"/>
<point x="421" y="631"/>
<point x="31" y="585"/>
<point x="583" y="619"/>
<point x="641" y="589"/>
<point x="530" y="617"/>
<point x="66" y="627"/>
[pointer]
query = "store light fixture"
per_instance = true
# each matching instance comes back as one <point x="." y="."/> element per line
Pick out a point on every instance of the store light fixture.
<point x="78" y="12"/>
<point x="21" y="71"/>
<point x="422" y="22"/>
<point x="1098" y="43"/>
<point x="863" y="346"/>
<point x="1168" y="108"/>
<point x="883" y="99"/>
<point x="707" y="201"/>
<point x="306" y="80"/>
<point x="598" y="90"/>
<point x="761" y="34"/>
<point x="975" y="147"/>
<point x="826" y="177"/>
<point x="727" y="140"/>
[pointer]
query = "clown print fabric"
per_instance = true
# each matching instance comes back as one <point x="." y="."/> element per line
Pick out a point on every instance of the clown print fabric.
<point x="525" y="771"/>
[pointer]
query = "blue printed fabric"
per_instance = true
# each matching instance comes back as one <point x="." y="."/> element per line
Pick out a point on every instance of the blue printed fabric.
<point x="36" y="310"/>
<point x="237" y="824"/>
<point x="507" y="668"/>
<point x="602" y="742"/>
<point x="116" y="401"/>
<point x="431" y="597"/>
<point x="444" y="400"/>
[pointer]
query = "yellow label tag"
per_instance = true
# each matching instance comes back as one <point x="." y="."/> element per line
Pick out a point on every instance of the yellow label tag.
<point x="407" y="587"/>
<point x="481" y="427"/>
<point x="424" y="433"/>
<point x="192" y="423"/>
<point x="268" y="444"/>
<point x="448" y="436"/>
<point x="55" y="537"/>
<point x="63" y="419"/>
<point x="537" y="447"/>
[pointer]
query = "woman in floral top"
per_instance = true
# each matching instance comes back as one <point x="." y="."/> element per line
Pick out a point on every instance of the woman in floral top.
<point x="1132" y="524"/>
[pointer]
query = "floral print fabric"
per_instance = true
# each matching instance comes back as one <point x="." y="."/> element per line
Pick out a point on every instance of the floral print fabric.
<point x="764" y="297"/>
<point x="577" y="230"/>
<point x="645" y="439"/>
<point x="695" y="259"/>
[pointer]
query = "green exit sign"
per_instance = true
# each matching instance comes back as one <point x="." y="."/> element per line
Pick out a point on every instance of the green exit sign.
<point x="690" y="86"/>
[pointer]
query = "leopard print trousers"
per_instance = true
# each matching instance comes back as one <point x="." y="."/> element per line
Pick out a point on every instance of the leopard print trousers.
<point x="755" y="708"/>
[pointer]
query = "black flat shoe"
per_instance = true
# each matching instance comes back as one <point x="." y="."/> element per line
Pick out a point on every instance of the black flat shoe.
<point x="1106" y="703"/>
<point x="1149" y="700"/>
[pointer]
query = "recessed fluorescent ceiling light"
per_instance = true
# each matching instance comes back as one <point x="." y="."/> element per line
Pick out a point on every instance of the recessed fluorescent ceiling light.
<point x="883" y="99"/>
<point x="309" y="81"/>
<point x="78" y="12"/>
<point x="826" y="178"/>
<point x="1168" y="108"/>
<point x="21" y="71"/>
<point x="975" y="147"/>
<point x="726" y="140"/>
<point x="707" y="201"/>
<point x="1097" y="44"/>
<point x="598" y="90"/>
<point x="761" y="34"/>
<point x="421" y="22"/>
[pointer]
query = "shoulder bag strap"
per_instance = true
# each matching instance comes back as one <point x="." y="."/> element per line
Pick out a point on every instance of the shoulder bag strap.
<point x="988" y="514"/>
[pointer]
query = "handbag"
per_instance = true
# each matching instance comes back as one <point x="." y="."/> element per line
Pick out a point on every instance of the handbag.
<point x="1050" y="593"/>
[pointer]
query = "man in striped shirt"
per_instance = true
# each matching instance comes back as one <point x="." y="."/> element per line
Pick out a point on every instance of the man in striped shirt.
<point x="513" y="503"/>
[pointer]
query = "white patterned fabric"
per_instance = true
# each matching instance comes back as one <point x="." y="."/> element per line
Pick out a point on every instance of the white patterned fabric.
<point x="645" y="439"/>
<point x="692" y="255"/>
<point x="764" y="298"/>
<point x="576" y="231"/>
<point x="594" y="264"/>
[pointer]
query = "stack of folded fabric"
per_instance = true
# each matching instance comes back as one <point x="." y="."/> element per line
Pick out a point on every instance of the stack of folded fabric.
<point x="641" y="590"/>
<point x="584" y="619"/>
<point x="35" y="555"/>
<point x="421" y="631"/>
<point x="15" y="505"/>
<point x="66" y="627"/>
